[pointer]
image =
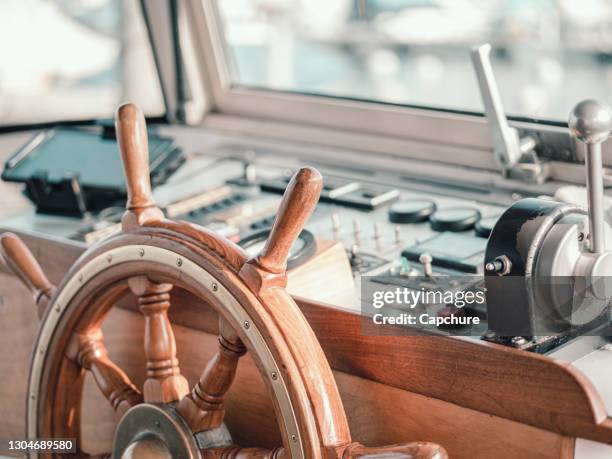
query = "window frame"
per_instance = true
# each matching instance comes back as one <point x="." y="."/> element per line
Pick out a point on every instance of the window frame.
<point x="397" y="130"/>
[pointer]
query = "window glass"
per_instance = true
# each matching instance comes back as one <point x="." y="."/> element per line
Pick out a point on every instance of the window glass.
<point x="547" y="54"/>
<point x="74" y="59"/>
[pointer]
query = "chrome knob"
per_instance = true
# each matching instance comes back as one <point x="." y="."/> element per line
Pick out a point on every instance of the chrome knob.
<point x="591" y="121"/>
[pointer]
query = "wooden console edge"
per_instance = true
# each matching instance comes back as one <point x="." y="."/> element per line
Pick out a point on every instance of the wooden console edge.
<point x="490" y="378"/>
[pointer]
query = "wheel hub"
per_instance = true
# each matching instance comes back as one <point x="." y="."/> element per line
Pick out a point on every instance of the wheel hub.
<point x="153" y="432"/>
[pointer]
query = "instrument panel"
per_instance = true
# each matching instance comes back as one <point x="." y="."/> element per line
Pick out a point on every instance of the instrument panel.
<point x="392" y="231"/>
<point x="378" y="223"/>
<point x="396" y="228"/>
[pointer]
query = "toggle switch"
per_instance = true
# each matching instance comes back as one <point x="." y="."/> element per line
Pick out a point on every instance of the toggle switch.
<point x="426" y="260"/>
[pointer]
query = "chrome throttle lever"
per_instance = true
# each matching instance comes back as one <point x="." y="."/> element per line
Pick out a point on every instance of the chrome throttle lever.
<point x="591" y="123"/>
<point x="562" y="278"/>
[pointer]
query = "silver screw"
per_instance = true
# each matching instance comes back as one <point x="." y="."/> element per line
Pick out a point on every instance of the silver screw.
<point x="215" y="287"/>
<point x="501" y="265"/>
<point x="109" y="258"/>
<point x="141" y="252"/>
<point x="274" y="376"/>
<point x="489" y="335"/>
<point x="247" y="325"/>
<point x="294" y="438"/>
<point x="179" y="262"/>
<point x="518" y="341"/>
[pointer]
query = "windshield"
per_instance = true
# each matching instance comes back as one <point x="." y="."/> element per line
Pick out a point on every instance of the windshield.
<point x="74" y="59"/>
<point x="547" y="54"/>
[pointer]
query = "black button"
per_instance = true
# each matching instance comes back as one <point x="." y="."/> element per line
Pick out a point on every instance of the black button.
<point x="411" y="211"/>
<point x="484" y="226"/>
<point x="454" y="219"/>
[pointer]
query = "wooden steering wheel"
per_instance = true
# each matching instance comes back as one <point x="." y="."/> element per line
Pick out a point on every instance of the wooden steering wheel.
<point x="150" y="257"/>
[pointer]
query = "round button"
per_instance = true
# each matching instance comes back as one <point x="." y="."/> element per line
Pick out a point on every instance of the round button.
<point x="484" y="226"/>
<point x="411" y="211"/>
<point x="454" y="219"/>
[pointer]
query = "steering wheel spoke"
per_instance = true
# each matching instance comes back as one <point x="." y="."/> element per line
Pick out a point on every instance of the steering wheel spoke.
<point x="164" y="383"/>
<point x="204" y="407"/>
<point x="88" y="350"/>
<point x="21" y="261"/>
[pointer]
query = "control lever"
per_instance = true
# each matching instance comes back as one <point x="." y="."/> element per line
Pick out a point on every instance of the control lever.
<point x="426" y="260"/>
<point x="562" y="279"/>
<point x="514" y="154"/>
<point x="591" y="123"/>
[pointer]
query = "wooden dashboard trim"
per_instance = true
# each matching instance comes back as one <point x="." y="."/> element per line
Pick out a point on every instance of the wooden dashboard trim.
<point x="538" y="391"/>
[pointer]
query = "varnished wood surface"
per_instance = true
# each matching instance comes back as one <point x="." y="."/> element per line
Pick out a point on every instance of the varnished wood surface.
<point x="258" y="287"/>
<point x="236" y="452"/>
<point x="134" y="147"/>
<point x="19" y="325"/>
<point x="54" y="256"/>
<point x="298" y="203"/>
<point x="316" y="405"/>
<point x="204" y="408"/>
<point x="268" y="269"/>
<point x="200" y="235"/>
<point x="494" y="379"/>
<point x="22" y="263"/>
<point x="416" y="450"/>
<point x="315" y="402"/>
<point x="308" y="381"/>
<point x="500" y="381"/>
<point x="557" y="445"/>
<point x="465" y="433"/>
<point x="133" y="143"/>
<point x="377" y="414"/>
<point x="164" y="383"/>
<point x="88" y="350"/>
<point x="497" y="380"/>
